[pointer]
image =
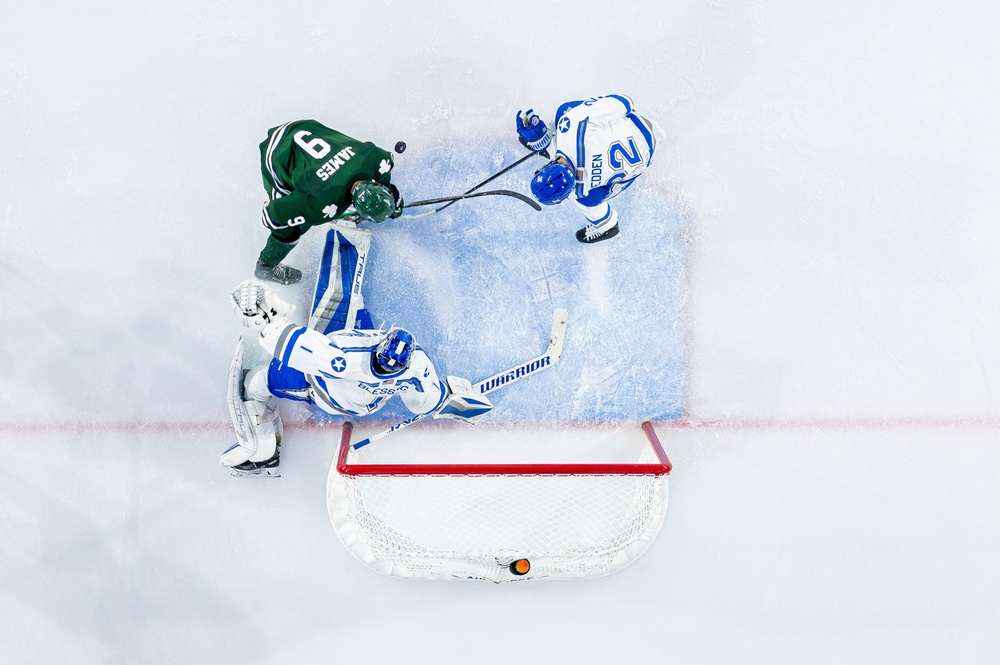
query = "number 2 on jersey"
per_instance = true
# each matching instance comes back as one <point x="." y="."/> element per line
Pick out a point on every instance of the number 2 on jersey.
<point x="617" y="152"/>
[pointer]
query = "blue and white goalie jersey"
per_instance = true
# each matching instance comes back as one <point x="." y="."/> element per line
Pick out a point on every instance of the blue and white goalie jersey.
<point x="607" y="143"/>
<point x="338" y="370"/>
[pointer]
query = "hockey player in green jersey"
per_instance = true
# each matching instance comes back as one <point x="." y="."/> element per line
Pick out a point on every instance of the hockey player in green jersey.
<point x="312" y="174"/>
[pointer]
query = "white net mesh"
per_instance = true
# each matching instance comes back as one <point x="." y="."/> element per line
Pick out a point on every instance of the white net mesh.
<point x="448" y="526"/>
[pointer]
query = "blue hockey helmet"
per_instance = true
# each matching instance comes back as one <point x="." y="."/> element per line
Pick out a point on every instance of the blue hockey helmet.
<point x="553" y="183"/>
<point x="392" y="355"/>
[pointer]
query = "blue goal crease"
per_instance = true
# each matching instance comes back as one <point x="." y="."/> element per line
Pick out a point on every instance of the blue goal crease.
<point x="477" y="286"/>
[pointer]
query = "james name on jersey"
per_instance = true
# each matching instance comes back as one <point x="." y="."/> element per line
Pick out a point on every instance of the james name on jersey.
<point x="309" y="168"/>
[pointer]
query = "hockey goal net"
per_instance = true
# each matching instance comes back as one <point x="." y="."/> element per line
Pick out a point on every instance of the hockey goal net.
<point x="560" y="504"/>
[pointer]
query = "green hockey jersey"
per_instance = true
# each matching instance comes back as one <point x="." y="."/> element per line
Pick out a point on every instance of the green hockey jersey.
<point x="308" y="170"/>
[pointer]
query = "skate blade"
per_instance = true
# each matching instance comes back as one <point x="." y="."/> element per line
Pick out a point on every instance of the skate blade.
<point x="256" y="473"/>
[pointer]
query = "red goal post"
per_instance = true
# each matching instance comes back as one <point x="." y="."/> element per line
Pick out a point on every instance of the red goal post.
<point x="567" y="519"/>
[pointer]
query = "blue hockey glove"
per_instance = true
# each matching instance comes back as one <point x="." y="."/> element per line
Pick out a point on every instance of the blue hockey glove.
<point x="532" y="131"/>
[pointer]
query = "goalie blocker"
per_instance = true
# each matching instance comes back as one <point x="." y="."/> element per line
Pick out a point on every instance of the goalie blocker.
<point x="463" y="402"/>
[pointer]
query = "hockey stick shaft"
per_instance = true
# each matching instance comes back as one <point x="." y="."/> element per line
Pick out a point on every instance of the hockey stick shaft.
<point x="491" y="178"/>
<point x="398" y="426"/>
<point x="501" y="379"/>
<point x="452" y="200"/>
<point x="354" y="217"/>
<point x="493" y="192"/>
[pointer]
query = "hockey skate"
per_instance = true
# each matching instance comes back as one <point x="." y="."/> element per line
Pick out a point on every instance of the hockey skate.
<point x="592" y="233"/>
<point x="280" y="273"/>
<point x="266" y="469"/>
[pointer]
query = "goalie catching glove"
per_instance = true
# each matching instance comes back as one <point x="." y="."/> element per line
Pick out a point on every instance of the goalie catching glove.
<point x="463" y="402"/>
<point x="257" y="304"/>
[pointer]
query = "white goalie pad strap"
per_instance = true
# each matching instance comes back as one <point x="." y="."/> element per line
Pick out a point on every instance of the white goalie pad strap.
<point x="275" y="307"/>
<point x="255" y="385"/>
<point x="463" y="402"/>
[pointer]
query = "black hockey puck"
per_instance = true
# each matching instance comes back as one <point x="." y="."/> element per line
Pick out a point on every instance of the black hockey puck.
<point x="400" y="147"/>
<point x="519" y="567"/>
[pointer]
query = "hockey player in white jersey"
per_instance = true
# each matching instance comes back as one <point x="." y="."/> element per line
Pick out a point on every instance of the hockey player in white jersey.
<point x="345" y="373"/>
<point x="601" y="145"/>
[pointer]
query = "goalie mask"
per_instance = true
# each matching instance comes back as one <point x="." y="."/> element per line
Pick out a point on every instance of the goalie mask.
<point x="392" y="355"/>
<point x="373" y="201"/>
<point x="553" y="183"/>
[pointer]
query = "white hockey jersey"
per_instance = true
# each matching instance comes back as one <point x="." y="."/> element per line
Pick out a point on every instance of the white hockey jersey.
<point x="607" y="143"/>
<point x="338" y="369"/>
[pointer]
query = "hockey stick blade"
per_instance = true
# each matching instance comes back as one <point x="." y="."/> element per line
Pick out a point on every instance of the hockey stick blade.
<point x="500" y="379"/>
<point x="547" y="359"/>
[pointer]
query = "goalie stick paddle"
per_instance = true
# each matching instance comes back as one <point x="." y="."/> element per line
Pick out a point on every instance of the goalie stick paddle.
<point x="500" y="379"/>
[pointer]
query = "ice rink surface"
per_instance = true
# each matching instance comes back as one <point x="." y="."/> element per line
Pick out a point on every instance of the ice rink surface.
<point x="803" y="300"/>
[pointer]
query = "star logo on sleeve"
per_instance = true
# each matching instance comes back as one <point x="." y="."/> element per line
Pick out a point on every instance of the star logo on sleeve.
<point x="564" y="124"/>
<point x="338" y="364"/>
<point x="384" y="167"/>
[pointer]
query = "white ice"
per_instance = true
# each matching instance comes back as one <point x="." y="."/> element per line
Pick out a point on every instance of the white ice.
<point x="803" y="299"/>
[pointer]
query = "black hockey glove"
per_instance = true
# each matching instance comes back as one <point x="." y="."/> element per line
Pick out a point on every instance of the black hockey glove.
<point x="398" y="210"/>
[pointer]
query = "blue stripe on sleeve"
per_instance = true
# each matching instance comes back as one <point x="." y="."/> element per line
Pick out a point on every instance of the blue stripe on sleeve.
<point x="444" y="391"/>
<point x="645" y="134"/>
<point x="581" y="155"/>
<point x="625" y="101"/>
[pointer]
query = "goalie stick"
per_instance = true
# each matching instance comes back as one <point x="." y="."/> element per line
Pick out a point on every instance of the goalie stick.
<point x="500" y="379"/>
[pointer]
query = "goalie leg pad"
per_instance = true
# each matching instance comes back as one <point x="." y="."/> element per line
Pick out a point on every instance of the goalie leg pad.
<point x="463" y="402"/>
<point x="257" y="423"/>
<point x="338" y="284"/>
<point x="259" y="429"/>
